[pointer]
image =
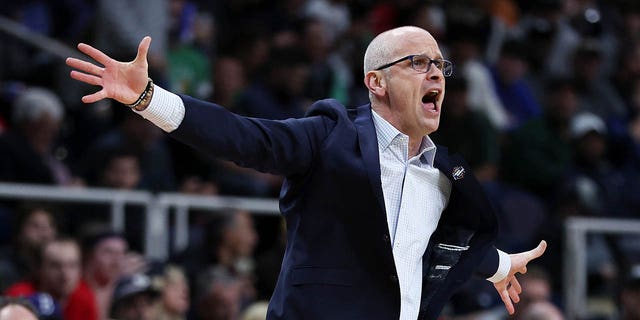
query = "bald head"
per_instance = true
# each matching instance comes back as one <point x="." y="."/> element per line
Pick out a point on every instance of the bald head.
<point x="386" y="45"/>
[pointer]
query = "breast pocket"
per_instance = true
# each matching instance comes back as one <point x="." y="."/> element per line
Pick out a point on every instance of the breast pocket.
<point x="443" y="258"/>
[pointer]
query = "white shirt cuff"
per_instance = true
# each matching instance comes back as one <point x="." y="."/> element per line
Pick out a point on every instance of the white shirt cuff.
<point x="503" y="267"/>
<point x="166" y="109"/>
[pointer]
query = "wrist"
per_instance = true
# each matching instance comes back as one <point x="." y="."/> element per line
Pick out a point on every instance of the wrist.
<point x="145" y="98"/>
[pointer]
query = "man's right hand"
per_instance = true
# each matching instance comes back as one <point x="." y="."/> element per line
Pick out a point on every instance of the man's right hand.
<point x="121" y="81"/>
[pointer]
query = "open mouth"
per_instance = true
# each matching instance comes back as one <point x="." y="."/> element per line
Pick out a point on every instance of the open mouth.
<point x="430" y="98"/>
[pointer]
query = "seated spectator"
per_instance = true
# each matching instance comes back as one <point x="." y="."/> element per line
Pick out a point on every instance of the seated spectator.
<point x="106" y="261"/>
<point x="58" y="272"/>
<point x="34" y="226"/>
<point x="28" y="148"/>
<point x="538" y="153"/>
<point x="219" y="296"/>
<point x="141" y="139"/>
<point x="120" y="169"/>
<point x="279" y="94"/>
<point x="17" y="309"/>
<point x="134" y="298"/>
<point x="226" y="249"/>
<point x="174" y="295"/>
<point x="510" y="80"/>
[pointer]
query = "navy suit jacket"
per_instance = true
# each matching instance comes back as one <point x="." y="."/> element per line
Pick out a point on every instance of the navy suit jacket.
<point x="339" y="262"/>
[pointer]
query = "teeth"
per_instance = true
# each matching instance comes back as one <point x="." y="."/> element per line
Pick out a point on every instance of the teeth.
<point x="433" y="93"/>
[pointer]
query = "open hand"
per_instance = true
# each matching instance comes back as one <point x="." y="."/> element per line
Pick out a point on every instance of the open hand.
<point x="121" y="81"/>
<point x="509" y="288"/>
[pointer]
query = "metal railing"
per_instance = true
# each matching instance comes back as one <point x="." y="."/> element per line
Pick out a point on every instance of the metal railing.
<point x="575" y="255"/>
<point x="116" y="198"/>
<point x="182" y="203"/>
<point x="157" y="208"/>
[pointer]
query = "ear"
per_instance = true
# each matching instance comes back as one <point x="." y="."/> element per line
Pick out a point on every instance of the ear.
<point x="375" y="82"/>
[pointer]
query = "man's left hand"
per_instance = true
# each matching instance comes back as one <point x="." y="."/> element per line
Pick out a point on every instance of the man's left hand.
<point x="509" y="287"/>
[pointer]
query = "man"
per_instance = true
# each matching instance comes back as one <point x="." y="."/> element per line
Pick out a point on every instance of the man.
<point x="106" y="261"/>
<point x="368" y="233"/>
<point x="58" y="274"/>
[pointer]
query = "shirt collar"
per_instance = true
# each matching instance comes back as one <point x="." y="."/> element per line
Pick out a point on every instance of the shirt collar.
<point x="386" y="132"/>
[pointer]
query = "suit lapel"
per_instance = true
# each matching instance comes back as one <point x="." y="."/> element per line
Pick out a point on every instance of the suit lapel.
<point x="368" y="142"/>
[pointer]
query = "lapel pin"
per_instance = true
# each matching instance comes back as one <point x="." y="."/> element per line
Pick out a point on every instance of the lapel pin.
<point x="458" y="173"/>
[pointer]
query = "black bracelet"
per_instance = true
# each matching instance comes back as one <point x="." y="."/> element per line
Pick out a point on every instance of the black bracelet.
<point x="144" y="96"/>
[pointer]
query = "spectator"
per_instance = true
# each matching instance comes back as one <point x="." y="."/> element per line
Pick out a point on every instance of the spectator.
<point x="188" y="60"/>
<point x="596" y="92"/>
<point x="510" y="78"/>
<point x="537" y="154"/>
<point x="120" y="170"/>
<point x="28" y="149"/>
<point x="279" y="95"/>
<point x="536" y="290"/>
<point x="35" y="225"/>
<point x="466" y="42"/>
<point x="227" y="249"/>
<point x="133" y="298"/>
<point x="174" y="295"/>
<point x="16" y="309"/>
<point x="121" y="22"/>
<point x="58" y="273"/>
<point x="146" y="142"/>
<point x="219" y="296"/>
<point x="106" y="261"/>
<point x="333" y="13"/>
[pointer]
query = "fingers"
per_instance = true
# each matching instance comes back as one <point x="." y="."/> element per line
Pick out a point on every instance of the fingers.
<point x="84" y="66"/>
<point x="516" y="285"/>
<point x="504" y="295"/>
<point x="538" y="251"/>
<point x="143" y="49"/>
<point x="87" y="78"/>
<point x="91" y="98"/>
<point x="514" y="291"/>
<point x="94" y="53"/>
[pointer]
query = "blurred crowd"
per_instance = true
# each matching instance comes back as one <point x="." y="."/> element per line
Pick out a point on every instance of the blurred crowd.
<point x="544" y="104"/>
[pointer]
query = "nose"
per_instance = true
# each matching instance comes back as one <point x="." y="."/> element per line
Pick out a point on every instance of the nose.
<point x="434" y="73"/>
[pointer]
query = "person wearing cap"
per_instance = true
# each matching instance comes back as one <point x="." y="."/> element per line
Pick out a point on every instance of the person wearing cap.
<point x="133" y="298"/>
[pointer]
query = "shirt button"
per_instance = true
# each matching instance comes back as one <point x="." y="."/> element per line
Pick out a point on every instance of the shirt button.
<point x="393" y="278"/>
<point x="385" y="237"/>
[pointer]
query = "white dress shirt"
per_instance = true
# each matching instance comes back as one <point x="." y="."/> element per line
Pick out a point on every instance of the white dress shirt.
<point x="415" y="194"/>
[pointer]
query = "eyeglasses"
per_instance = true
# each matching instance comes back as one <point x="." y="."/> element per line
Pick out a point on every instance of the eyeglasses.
<point x="422" y="63"/>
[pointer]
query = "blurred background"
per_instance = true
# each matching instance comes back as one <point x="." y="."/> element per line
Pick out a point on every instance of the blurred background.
<point x="102" y="216"/>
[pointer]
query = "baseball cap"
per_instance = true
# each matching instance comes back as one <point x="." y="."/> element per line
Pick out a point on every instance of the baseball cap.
<point x="586" y="122"/>
<point x="132" y="285"/>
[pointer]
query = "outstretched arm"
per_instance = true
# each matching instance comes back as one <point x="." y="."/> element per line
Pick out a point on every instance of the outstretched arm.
<point x="509" y="287"/>
<point x="121" y="81"/>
